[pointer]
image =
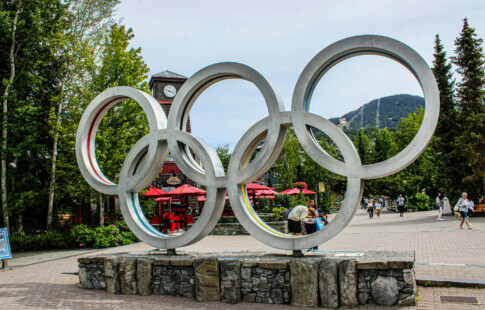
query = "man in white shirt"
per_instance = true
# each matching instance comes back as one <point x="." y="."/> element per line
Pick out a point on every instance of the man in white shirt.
<point x="296" y="216"/>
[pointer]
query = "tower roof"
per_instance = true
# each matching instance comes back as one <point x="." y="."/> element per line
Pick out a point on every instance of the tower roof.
<point x="169" y="74"/>
<point x="166" y="75"/>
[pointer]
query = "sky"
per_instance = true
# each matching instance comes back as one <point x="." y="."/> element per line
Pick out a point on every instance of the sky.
<point x="278" y="38"/>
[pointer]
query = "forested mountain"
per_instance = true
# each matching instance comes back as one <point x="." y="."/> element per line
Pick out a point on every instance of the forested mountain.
<point x="384" y="112"/>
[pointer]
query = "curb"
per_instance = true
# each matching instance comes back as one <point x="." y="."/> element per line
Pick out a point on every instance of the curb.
<point x="453" y="282"/>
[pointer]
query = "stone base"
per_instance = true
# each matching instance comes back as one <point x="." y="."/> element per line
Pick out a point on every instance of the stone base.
<point x="330" y="279"/>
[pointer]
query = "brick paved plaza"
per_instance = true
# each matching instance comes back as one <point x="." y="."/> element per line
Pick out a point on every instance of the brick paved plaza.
<point x="42" y="281"/>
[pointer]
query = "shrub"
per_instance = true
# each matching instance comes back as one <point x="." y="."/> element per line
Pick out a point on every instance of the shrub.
<point x="282" y="201"/>
<point x="103" y="237"/>
<point x="299" y="200"/>
<point x="147" y="206"/>
<point x="264" y="205"/>
<point x="327" y="201"/>
<point x="228" y="219"/>
<point x="419" y="202"/>
<point x="20" y="241"/>
<point x="278" y="213"/>
<point x="80" y="236"/>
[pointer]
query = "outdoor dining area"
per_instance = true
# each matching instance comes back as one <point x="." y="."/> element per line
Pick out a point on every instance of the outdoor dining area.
<point x="177" y="209"/>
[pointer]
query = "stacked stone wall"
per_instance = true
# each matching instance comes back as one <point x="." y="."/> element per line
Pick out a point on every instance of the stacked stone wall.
<point x="387" y="287"/>
<point x="173" y="280"/>
<point x="92" y="275"/>
<point x="265" y="285"/>
<point x="330" y="280"/>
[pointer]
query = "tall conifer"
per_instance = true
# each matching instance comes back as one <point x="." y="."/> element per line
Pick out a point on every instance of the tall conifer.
<point x="450" y="173"/>
<point x="470" y="61"/>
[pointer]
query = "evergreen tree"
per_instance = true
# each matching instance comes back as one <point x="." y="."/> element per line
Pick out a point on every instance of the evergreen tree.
<point x="363" y="147"/>
<point x="449" y="160"/>
<point x="470" y="61"/>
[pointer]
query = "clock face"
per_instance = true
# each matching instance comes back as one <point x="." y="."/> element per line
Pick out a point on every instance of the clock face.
<point x="170" y="91"/>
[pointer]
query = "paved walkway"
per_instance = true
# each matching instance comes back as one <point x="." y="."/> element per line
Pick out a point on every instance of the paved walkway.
<point x="442" y="250"/>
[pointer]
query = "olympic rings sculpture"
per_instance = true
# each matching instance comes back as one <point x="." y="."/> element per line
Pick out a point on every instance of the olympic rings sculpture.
<point x="146" y="158"/>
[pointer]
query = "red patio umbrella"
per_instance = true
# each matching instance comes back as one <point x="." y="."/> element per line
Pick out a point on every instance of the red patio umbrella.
<point x="264" y="196"/>
<point x="186" y="190"/>
<point x="266" y="192"/>
<point x="155" y="192"/>
<point x="296" y="191"/>
<point x="254" y="186"/>
<point x="167" y="199"/>
<point x="202" y="198"/>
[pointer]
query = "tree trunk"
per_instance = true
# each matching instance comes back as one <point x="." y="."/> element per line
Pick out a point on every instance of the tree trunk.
<point x="3" y="165"/>
<point x="101" y="210"/>
<point x="52" y="182"/>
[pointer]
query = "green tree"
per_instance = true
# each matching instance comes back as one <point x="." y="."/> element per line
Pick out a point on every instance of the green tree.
<point x="363" y="147"/>
<point x="422" y="172"/>
<point x="30" y="76"/>
<point x="121" y="127"/>
<point x="384" y="146"/>
<point x="449" y="160"/>
<point x="76" y="45"/>
<point x="224" y="155"/>
<point x="470" y="63"/>
<point x="125" y="124"/>
<point x="285" y="167"/>
<point x="313" y="173"/>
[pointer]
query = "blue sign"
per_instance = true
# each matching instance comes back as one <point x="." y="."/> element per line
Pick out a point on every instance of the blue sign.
<point x="4" y="244"/>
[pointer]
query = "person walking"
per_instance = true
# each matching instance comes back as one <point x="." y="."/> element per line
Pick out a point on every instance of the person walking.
<point x="370" y="208"/>
<point x="297" y="215"/>
<point x="400" y="205"/>
<point x="378" y="207"/>
<point x="463" y="207"/>
<point x="439" y="204"/>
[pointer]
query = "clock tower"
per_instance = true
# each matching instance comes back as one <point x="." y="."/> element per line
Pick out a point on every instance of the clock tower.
<point x="164" y="86"/>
